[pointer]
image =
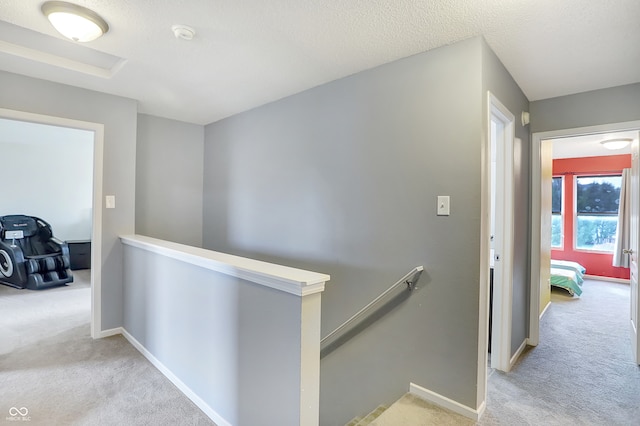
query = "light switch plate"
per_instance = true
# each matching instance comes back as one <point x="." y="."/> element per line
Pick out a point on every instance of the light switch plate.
<point x="110" y="201"/>
<point x="443" y="205"/>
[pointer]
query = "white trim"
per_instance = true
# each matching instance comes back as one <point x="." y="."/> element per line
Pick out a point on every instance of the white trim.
<point x="544" y="311"/>
<point x="96" y="233"/>
<point x="186" y="390"/>
<point x="483" y="338"/>
<point x="310" y="360"/>
<point x="503" y="269"/>
<point x="283" y="278"/>
<point x="449" y="404"/>
<point x="96" y="238"/>
<point x="609" y="279"/>
<point x="536" y="222"/>
<point x="110" y="332"/>
<point x="517" y="354"/>
<point x="485" y="262"/>
<point x="536" y="140"/>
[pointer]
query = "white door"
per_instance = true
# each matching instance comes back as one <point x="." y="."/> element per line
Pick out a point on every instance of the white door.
<point x="633" y="249"/>
<point x="501" y="136"/>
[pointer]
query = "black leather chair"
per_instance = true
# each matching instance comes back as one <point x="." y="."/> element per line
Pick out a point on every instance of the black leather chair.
<point x="30" y="256"/>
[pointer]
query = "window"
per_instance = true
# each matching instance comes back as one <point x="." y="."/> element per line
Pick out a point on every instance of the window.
<point x="597" y="199"/>
<point x="556" y="212"/>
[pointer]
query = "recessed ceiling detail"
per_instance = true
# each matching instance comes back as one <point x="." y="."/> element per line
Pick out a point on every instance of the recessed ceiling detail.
<point x="34" y="46"/>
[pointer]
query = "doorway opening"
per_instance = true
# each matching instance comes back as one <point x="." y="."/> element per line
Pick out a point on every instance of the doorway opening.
<point x="97" y="131"/>
<point x="542" y="210"/>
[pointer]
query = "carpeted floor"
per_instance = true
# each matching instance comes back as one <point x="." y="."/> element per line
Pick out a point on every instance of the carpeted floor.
<point x="582" y="372"/>
<point x="52" y="370"/>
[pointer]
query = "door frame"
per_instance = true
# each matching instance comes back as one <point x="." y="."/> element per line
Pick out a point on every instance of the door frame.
<point x="633" y="247"/>
<point x="96" y="222"/>
<point x="504" y="210"/>
<point x="536" y="213"/>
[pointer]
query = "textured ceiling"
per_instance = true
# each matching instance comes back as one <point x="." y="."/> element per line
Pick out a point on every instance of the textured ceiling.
<point x="250" y="52"/>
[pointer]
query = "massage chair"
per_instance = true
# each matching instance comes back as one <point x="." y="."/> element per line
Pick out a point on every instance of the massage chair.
<point x="30" y="256"/>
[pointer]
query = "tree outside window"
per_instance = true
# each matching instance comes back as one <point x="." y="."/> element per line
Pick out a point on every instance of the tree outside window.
<point x="556" y="212"/>
<point x="597" y="200"/>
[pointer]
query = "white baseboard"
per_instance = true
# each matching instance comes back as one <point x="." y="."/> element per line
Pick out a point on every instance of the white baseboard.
<point x="544" y="311"/>
<point x="210" y="412"/>
<point x="516" y="355"/>
<point x="445" y="402"/>
<point x="110" y="332"/>
<point x="613" y="280"/>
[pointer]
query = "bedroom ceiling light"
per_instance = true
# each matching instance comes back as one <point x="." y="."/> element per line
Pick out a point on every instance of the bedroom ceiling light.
<point x="74" y="22"/>
<point x="614" y="144"/>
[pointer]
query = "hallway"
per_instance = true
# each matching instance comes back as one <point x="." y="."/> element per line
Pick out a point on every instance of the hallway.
<point x="581" y="372"/>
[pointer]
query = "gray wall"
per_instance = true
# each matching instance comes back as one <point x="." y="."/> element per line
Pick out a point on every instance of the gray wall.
<point x="169" y="180"/>
<point x="497" y="79"/>
<point x="66" y="205"/>
<point x="119" y="117"/>
<point x="343" y="179"/>
<point x="234" y="343"/>
<point x="605" y="106"/>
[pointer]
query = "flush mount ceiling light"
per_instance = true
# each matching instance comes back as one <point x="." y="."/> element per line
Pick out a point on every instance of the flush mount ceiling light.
<point x="616" y="143"/>
<point x="74" y="22"/>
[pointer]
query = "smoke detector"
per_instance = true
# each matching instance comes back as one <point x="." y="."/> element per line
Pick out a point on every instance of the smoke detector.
<point x="183" y="32"/>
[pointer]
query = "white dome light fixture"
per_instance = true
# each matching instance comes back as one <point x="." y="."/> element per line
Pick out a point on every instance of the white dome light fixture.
<point x="74" y="22"/>
<point x="614" y="144"/>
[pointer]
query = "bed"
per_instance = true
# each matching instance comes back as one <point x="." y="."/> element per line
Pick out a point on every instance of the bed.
<point x="567" y="275"/>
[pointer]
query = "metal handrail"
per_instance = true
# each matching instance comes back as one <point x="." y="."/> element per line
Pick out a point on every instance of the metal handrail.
<point x="409" y="281"/>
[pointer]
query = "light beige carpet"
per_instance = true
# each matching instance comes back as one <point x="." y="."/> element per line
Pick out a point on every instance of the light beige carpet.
<point x="413" y="411"/>
<point x="582" y="373"/>
<point x="54" y="371"/>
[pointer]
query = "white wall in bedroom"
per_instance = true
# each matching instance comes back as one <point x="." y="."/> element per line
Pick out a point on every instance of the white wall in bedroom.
<point x="47" y="171"/>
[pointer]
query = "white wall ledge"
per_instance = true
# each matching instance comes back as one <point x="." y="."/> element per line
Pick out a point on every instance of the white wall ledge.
<point x="279" y="277"/>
